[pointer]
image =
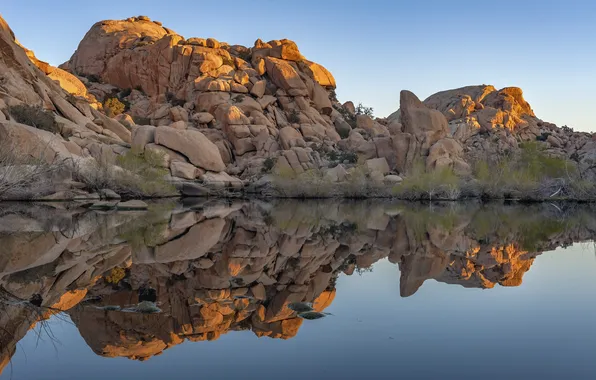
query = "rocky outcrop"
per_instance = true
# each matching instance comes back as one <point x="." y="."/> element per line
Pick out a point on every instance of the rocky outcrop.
<point x="485" y="124"/>
<point x="240" y="98"/>
<point x="211" y="113"/>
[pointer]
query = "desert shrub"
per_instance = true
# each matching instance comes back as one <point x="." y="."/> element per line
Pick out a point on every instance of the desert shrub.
<point x="124" y="93"/>
<point x="93" y="78"/>
<point x="567" y="129"/>
<point x="333" y="95"/>
<point x="528" y="173"/>
<point x="140" y="89"/>
<point x="268" y="164"/>
<point x="337" y="157"/>
<point x="419" y="183"/>
<point x="113" y="106"/>
<point x="133" y="175"/>
<point x="34" y="116"/>
<point x="315" y="184"/>
<point x="362" y="110"/>
<point x="228" y="61"/>
<point x="294" y="116"/>
<point x="539" y="165"/>
<point x="238" y="98"/>
<point x="116" y="275"/>
<point x="173" y="100"/>
<point x="25" y="177"/>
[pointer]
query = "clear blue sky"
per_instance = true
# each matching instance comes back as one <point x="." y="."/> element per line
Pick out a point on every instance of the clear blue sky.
<point x="374" y="48"/>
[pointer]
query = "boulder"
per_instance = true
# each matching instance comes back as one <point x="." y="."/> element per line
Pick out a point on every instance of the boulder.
<point x="221" y="180"/>
<point x="290" y="137"/>
<point x="285" y="76"/>
<point x="199" y="150"/>
<point x="258" y="89"/>
<point x="34" y="143"/>
<point x="142" y="135"/>
<point x="336" y="174"/>
<point x="378" y="165"/>
<point x="203" y="117"/>
<point x="428" y="125"/>
<point x="184" y="170"/>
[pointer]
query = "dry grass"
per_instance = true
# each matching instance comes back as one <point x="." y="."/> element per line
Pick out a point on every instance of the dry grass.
<point x="34" y="116"/>
<point x="24" y="177"/>
<point x="314" y="184"/>
<point x="133" y="175"/>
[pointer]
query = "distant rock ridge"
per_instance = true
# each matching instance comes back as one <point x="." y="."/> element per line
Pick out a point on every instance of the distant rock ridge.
<point x="486" y="122"/>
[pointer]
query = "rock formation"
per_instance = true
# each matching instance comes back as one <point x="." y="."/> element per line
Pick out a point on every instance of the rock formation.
<point x="487" y="122"/>
<point x="225" y="116"/>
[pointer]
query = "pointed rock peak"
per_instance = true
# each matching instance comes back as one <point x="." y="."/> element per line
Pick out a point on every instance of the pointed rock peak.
<point x="409" y="99"/>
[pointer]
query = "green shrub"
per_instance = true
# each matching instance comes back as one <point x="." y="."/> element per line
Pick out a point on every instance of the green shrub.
<point x="173" y="100"/>
<point x="142" y="175"/>
<point x="228" y="61"/>
<point x="268" y="164"/>
<point x="294" y="116"/>
<point x="93" y="78"/>
<point x="362" y="110"/>
<point x="113" y="106"/>
<point x="341" y="156"/>
<point x="34" y="116"/>
<point x="528" y="173"/>
<point x="418" y="183"/>
<point x="124" y="93"/>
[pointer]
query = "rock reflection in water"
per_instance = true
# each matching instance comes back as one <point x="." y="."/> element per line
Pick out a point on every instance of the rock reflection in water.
<point x="203" y="269"/>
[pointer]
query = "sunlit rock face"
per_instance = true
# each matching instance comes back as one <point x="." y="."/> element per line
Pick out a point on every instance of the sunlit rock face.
<point x="210" y="268"/>
<point x="484" y="123"/>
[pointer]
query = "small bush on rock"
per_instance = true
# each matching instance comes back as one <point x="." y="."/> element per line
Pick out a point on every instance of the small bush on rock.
<point x="34" y="116"/>
<point x="362" y="110"/>
<point x="228" y="61"/>
<point x="294" y="117"/>
<point x="124" y="93"/>
<point x="173" y="100"/>
<point x="268" y="164"/>
<point x="113" y="107"/>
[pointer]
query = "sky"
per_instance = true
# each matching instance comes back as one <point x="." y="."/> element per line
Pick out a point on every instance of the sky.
<point x="374" y="48"/>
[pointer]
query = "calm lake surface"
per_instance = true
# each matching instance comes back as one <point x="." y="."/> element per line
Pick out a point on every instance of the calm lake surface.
<point x="206" y="289"/>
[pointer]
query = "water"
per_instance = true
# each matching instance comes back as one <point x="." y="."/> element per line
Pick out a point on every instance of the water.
<point x="415" y="291"/>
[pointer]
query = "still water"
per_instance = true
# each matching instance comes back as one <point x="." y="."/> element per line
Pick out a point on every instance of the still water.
<point x="415" y="291"/>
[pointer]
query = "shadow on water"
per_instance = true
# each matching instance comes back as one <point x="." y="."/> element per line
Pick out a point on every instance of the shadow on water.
<point x="138" y="283"/>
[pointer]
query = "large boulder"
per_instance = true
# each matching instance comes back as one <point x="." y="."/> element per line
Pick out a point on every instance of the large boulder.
<point x="447" y="153"/>
<point x="32" y="143"/>
<point x="285" y="76"/>
<point x="290" y="137"/>
<point x="459" y="102"/>
<point x="428" y="125"/>
<point x="199" y="150"/>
